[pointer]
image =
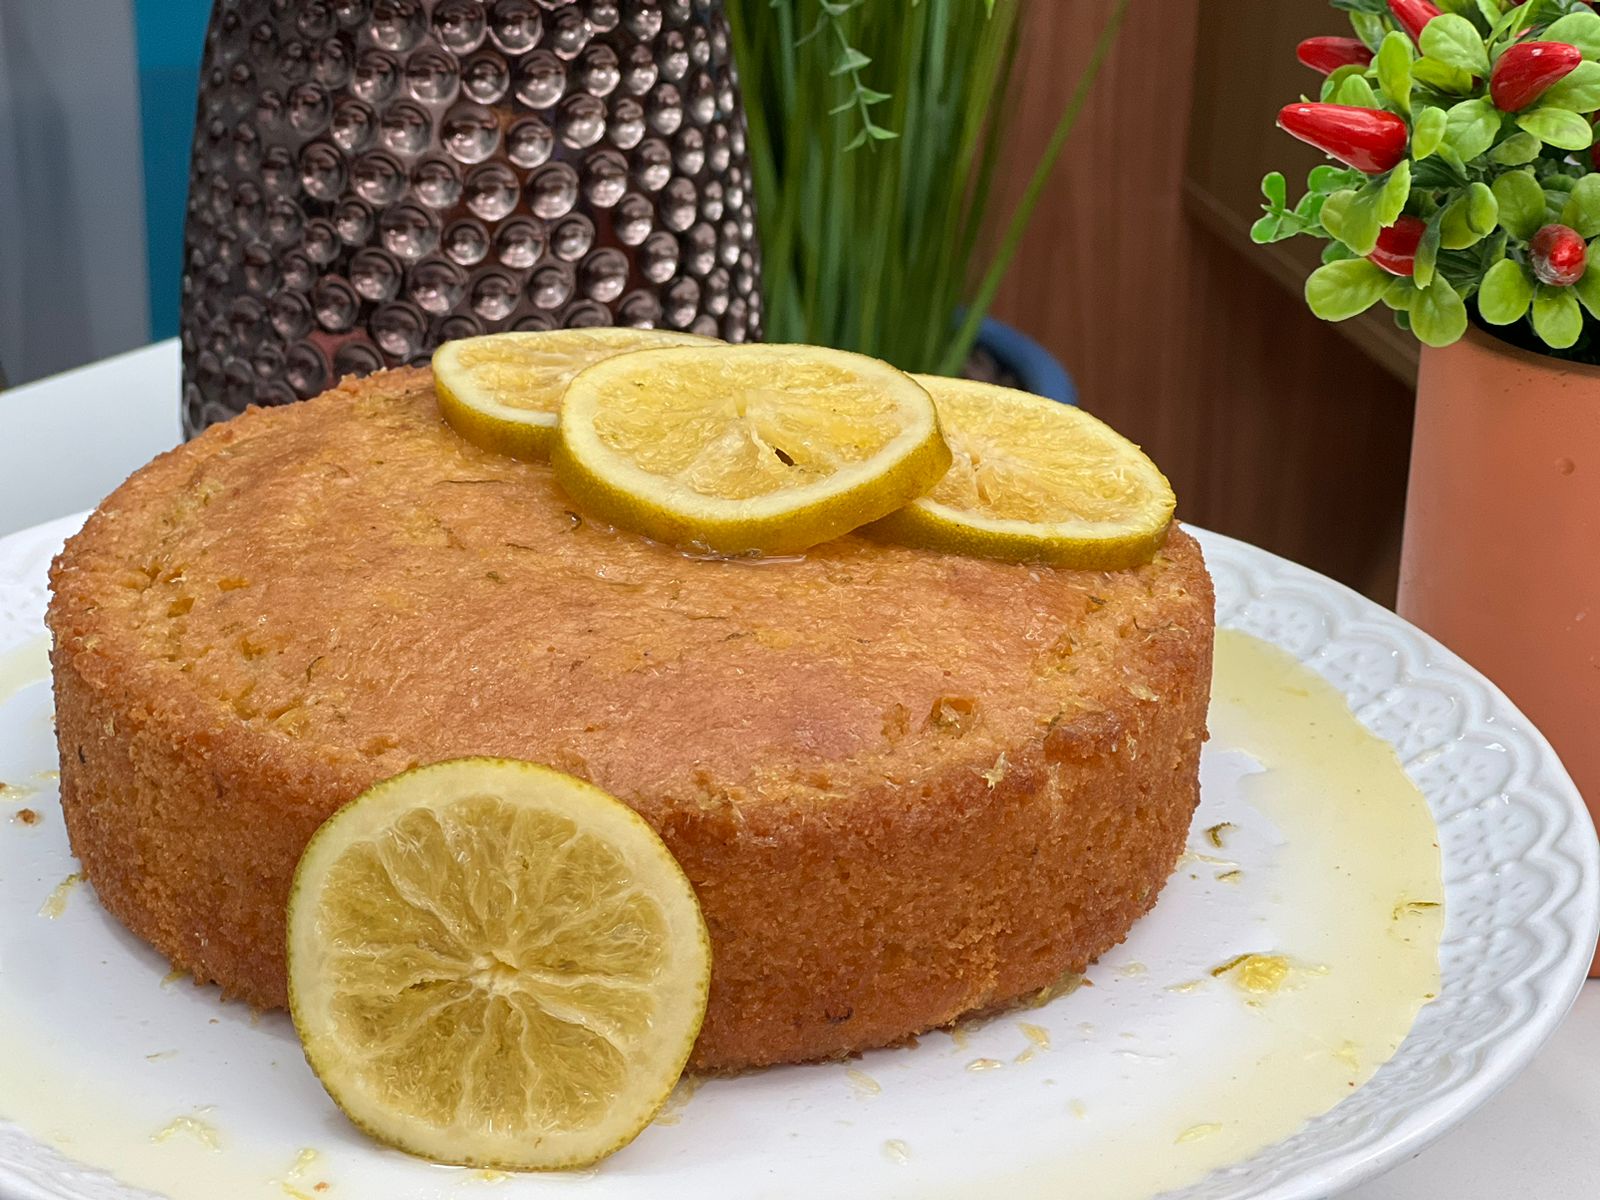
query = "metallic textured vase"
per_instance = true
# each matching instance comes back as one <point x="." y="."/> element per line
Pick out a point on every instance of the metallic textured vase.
<point x="373" y="177"/>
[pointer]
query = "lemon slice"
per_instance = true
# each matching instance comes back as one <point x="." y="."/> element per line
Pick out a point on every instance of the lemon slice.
<point x="501" y="391"/>
<point x="746" y="449"/>
<point x="495" y="965"/>
<point x="1034" y="480"/>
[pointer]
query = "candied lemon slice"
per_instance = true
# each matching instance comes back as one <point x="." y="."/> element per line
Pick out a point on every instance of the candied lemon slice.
<point x="501" y="391"/>
<point x="1034" y="480"/>
<point x="496" y="965"/>
<point x="746" y="449"/>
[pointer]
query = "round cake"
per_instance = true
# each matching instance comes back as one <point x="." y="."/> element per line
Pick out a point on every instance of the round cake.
<point x="905" y="785"/>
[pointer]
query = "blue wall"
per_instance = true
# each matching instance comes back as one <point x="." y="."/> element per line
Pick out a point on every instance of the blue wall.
<point x="171" y="35"/>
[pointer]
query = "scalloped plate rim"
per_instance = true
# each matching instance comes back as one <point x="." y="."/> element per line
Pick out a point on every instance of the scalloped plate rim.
<point x="1556" y="983"/>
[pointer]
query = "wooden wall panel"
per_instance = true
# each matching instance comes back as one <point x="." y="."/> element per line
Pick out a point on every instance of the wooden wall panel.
<point x="1272" y="426"/>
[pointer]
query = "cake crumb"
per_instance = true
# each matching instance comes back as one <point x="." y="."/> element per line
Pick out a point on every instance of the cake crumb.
<point x="1037" y="1034"/>
<point x="56" y="903"/>
<point x="191" y="1126"/>
<point x="896" y="1151"/>
<point x="996" y="773"/>
<point x="864" y="1083"/>
<point x="1258" y="974"/>
<point x="1214" y="833"/>
<point x="984" y="1064"/>
<point x="26" y="816"/>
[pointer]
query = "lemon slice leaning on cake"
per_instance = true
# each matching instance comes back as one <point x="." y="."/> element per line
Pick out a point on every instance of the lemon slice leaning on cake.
<point x="501" y="391"/>
<point x="746" y="449"/>
<point x="1035" y="481"/>
<point x="494" y="964"/>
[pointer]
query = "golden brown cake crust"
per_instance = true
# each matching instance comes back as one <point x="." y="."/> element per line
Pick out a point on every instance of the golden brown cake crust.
<point x="905" y="785"/>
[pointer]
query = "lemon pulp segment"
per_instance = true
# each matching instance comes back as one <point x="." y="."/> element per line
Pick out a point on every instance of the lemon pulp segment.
<point x="494" y="964"/>
<point x="501" y="391"/>
<point x="1032" y="479"/>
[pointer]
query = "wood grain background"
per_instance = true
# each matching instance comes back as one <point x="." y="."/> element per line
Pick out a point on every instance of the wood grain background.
<point x="1138" y="274"/>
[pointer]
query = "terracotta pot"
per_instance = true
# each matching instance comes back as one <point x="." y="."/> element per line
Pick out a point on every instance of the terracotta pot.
<point x="1502" y="540"/>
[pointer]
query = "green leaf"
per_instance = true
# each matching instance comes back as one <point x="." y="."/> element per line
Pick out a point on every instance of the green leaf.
<point x="1427" y="131"/>
<point x="1490" y="11"/>
<point x="1357" y="92"/>
<point x="1455" y="41"/>
<point x="1394" y="69"/>
<point x="1392" y="199"/>
<point x="1472" y="126"/>
<point x="1359" y="222"/>
<point x="1557" y="127"/>
<point x="1442" y="170"/>
<point x="1309" y="209"/>
<point x="1483" y="209"/>
<point x="1336" y="80"/>
<point x="1438" y="315"/>
<point x="1334" y="210"/>
<point x="1521" y="201"/>
<point x="1588" y="287"/>
<point x="1505" y="293"/>
<point x="1582" y="209"/>
<point x="1427" y="253"/>
<point x="1399" y="294"/>
<point x="1327" y="179"/>
<point x="1579" y="91"/>
<point x="1511" y="22"/>
<point x="1369" y="28"/>
<point x="1341" y="290"/>
<point x="1442" y="77"/>
<point x="1580" y="29"/>
<point x="1337" y="251"/>
<point x="1276" y="189"/>
<point x="850" y="59"/>
<point x="1517" y="149"/>
<point x="1556" y="317"/>
<point x="1456" y="231"/>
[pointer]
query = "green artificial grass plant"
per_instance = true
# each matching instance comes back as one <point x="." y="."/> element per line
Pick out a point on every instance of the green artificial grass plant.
<point x="876" y="130"/>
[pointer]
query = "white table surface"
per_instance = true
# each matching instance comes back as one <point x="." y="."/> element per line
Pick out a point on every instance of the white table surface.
<point x="68" y="440"/>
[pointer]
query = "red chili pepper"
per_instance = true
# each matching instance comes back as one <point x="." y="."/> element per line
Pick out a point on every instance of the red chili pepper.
<point x="1413" y="16"/>
<point x="1396" y="251"/>
<point x="1364" y="138"/>
<point x="1526" y="72"/>
<point x="1559" y="255"/>
<point x="1327" y="54"/>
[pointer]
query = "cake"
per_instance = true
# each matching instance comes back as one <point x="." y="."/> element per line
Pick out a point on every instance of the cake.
<point x="906" y="786"/>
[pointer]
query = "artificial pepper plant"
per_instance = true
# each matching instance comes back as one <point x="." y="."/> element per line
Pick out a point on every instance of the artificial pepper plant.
<point x="1466" y="176"/>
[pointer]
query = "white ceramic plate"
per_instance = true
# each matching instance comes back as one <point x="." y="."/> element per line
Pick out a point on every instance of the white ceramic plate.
<point x="119" y="1055"/>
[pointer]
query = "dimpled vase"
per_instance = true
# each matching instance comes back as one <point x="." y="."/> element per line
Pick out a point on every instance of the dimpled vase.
<point x="373" y="177"/>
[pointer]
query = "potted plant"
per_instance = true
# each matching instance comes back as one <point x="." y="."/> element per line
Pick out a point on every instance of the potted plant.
<point x="1464" y="196"/>
<point x="874" y="132"/>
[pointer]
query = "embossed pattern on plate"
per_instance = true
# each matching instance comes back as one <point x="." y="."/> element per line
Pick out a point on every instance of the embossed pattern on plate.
<point x="1521" y="871"/>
